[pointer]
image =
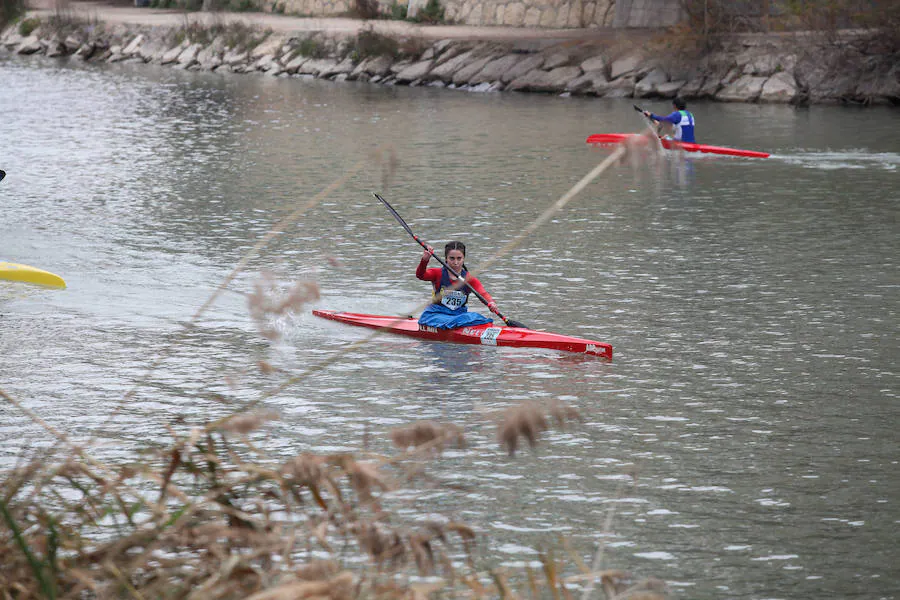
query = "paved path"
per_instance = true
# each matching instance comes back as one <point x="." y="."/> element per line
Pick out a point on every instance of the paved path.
<point x="121" y="12"/>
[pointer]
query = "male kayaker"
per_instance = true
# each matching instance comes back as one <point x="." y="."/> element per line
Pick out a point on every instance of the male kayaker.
<point x="448" y="308"/>
<point x="681" y="120"/>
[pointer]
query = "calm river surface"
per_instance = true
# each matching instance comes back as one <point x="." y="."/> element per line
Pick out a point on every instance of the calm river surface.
<point x="752" y="305"/>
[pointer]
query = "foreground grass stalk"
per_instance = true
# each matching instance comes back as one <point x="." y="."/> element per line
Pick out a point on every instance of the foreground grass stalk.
<point x="48" y="586"/>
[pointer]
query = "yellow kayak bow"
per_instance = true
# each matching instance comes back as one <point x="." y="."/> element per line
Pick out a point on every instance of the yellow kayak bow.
<point x="24" y="273"/>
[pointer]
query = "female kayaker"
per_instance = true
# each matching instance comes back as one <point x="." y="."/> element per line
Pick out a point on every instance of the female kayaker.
<point x="448" y="309"/>
<point x="681" y="120"/>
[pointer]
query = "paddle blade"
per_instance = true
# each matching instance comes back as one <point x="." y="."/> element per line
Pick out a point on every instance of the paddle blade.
<point x="2" y="174"/>
<point x="638" y="108"/>
<point x="519" y="324"/>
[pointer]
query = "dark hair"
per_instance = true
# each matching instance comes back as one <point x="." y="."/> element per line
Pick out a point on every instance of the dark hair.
<point x="679" y="103"/>
<point x="454" y="246"/>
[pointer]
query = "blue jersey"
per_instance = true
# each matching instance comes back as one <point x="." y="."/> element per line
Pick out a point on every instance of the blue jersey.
<point x="683" y="122"/>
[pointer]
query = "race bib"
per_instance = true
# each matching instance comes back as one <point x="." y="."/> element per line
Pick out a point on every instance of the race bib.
<point x="489" y="336"/>
<point x="453" y="299"/>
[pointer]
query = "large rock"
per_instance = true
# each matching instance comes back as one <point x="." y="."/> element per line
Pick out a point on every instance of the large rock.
<point x="232" y="58"/>
<point x="710" y="87"/>
<point x="447" y="70"/>
<point x="266" y="63"/>
<point x="189" y="55"/>
<point x="345" y="67"/>
<point x="588" y="83"/>
<point x="270" y="46"/>
<point x="622" y="87"/>
<point x="692" y="88"/>
<point x="545" y="81"/>
<point x="210" y="57"/>
<point x="85" y="51"/>
<point x="495" y="69"/>
<point x="594" y="63"/>
<point x="116" y="54"/>
<point x="29" y="45"/>
<point x="780" y="87"/>
<point x="55" y="47"/>
<point x="669" y="89"/>
<point x="295" y="63"/>
<point x="527" y="64"/>
<point x="314" y="66"/>
<point x="446" y="50"/>
<point x="376" y="66"/>
<point x="152" y="50"/>
<point x="465" y="74"/>
<point x="629" y="64"/>
<point x="73" y="42"/>
<point x="171" y="55"/>
<point x="132" y="48"/>
<point x="744" y="89"/>
<point x="556" y="60"/>
<point x="11" y="37"/>
<point x="647" y="85"/>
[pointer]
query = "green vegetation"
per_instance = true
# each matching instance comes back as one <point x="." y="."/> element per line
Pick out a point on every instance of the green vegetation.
<point x="188" y="5"/>
<point x="312" y="47"/>
<point x="366" y="9"/>
<point x="433" y="12"/>
<point x="398" y="11"/>
<point x="369" y="43"/>
<point x="29" y="25"/>
<point x="10" y="11"/>
<point x="245" y="6"/>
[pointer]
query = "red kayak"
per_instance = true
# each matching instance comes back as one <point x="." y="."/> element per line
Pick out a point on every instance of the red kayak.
<point x="608" y="139"/>
<point x="487" y="334"/>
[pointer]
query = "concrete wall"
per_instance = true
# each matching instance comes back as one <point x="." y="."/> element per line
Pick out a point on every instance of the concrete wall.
<point x="647" y="13"/>
<point x="532" y="13"/>
<point x="517" y="13"/>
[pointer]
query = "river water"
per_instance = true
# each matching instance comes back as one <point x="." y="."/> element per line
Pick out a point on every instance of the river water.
<point x="744" y="436"/>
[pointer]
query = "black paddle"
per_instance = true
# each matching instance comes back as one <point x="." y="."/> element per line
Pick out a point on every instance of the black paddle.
<point x="641" y="110"/>
<point x="2" y="174"/>
<point x="400" y="220"/>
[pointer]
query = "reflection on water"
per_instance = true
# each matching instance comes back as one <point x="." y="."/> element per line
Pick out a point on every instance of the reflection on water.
<point x="743" y="434"/>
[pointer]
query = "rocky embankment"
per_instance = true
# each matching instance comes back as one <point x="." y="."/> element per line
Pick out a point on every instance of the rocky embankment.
<point x="751" y="68"/>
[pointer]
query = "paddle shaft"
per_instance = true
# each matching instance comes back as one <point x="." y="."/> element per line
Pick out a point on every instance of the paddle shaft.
<point x="649" y="120"/>
<point x="400" y="220"/>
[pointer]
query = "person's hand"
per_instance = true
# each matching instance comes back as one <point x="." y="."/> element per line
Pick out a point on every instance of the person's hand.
<point x="429" y="252"/>
<point x="492" y="306"/>
<point x="647" y="113"/>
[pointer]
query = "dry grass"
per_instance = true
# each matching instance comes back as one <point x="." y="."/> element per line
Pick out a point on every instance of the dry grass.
<point x="213" y="517"/>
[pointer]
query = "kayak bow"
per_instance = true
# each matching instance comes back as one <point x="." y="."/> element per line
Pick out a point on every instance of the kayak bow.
<point x="609" y="139"/>
<point x="486" y="334"/>
<point x="26" y="274"/>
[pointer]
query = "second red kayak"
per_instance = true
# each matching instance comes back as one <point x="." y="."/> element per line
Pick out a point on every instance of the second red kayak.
<point x="487" y="334"/>
<point x="608" y="139"/>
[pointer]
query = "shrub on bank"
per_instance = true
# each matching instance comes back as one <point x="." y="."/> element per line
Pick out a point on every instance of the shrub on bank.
<point x="369" y="43"/>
